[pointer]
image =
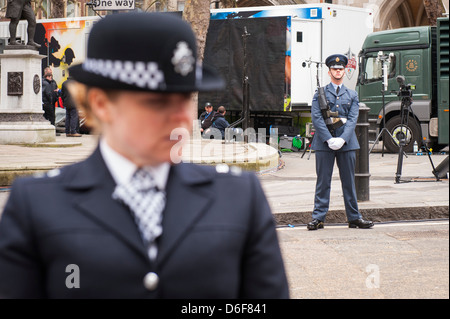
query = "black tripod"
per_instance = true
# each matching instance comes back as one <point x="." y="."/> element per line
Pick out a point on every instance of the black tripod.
<point x="405" y="93"/>
<point x="308" y="146"/>
<point x="245" y="114"/>
<point x="384" y="85"/>
<point x="404" y="113"/>
<point x="384" y="129"/>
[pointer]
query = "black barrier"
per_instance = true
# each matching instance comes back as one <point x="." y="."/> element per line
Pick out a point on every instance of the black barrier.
<point x="362" y="174"/>
<point x="441" y="170"/>
<point x="265" y="54"/>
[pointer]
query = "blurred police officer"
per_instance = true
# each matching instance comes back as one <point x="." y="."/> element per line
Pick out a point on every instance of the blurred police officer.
<point x="338" y="145"/>
<point x="127" y="222"/>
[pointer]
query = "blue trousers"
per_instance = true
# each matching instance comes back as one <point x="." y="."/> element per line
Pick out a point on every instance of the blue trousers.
<point x="72" y="120"/>
<point x="324" y="170"/>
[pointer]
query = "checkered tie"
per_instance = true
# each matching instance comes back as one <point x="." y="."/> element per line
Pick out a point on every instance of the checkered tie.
<point x="147" y="203"/>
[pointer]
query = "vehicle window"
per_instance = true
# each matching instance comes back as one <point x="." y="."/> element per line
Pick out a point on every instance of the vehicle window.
<point x="374" y="69"/>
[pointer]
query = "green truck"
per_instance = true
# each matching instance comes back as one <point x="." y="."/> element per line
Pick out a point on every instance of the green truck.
<point x="421" y="55"/>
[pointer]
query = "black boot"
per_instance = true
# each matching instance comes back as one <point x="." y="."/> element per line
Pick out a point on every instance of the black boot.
<point x="314" y="224"/>
<point x="360" y="223"/>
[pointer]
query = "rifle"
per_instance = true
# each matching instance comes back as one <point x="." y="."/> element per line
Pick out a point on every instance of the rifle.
<point x="332" y="120"/>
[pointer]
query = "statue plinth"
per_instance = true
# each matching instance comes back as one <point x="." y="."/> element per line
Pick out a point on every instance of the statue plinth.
<point x="20" y="47"/>
<point x="21" y="114"/>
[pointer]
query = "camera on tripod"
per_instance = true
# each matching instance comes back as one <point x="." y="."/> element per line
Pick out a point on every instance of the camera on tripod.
<point x="405" y="90"/>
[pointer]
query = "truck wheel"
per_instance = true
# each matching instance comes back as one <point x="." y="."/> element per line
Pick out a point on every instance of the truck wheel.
<point x="412" y="132"/>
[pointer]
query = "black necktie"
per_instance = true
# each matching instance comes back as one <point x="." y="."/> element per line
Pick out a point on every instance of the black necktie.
<point x="337" y="90"/>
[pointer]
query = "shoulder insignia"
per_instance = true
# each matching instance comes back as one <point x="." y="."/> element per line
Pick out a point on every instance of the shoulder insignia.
<point x="236" y="171"/>
<point x="225" y="169"/>
<point x="222" y="168"/>
<point x="54" y="172"/>
<point x="39" y="175"/>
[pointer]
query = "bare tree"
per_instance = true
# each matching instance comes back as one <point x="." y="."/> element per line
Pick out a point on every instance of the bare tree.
<point x="57" y="8"/>
<point x="434" y="10"/>
<point x="37" y="6"/>
<point x="196" y="12"/>
<point x="228" y="3"/>
<point x="152" y="5"/>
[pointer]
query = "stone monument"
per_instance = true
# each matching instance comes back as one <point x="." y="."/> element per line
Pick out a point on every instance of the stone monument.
<point x="21" y="114"/>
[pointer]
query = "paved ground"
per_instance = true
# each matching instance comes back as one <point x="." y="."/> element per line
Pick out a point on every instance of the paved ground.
<point x="290" y="190"/>
<point x="390" y="261"/>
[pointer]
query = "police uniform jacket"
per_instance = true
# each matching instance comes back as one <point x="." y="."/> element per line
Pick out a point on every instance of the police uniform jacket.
<point x="346" y="103"/>
<point x="211" y="246"/>
<point x="15" y="7"/>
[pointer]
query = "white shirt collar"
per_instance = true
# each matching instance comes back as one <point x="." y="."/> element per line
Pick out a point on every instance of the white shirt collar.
<point x="123" y="169"/>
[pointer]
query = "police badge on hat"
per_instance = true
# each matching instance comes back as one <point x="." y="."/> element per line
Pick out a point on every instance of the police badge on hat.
<point x="182" y="59"/>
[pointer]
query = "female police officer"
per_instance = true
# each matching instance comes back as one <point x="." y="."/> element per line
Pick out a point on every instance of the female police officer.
<point x="340" y="146"/>
<point x="127" y="222"/>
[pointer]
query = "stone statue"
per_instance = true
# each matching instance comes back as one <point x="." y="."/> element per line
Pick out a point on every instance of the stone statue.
<point x="17" y="10"/>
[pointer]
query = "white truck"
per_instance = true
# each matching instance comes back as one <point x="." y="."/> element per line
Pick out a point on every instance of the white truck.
<point x="282" y="79"/>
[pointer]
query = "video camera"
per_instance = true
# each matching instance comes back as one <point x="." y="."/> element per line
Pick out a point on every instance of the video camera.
<point x="405" y="90"/>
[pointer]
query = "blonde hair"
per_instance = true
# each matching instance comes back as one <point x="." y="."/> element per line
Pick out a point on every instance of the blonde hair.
<point x="79" y="93"/>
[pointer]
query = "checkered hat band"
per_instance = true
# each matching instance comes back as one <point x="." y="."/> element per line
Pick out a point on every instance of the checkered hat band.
<point x="146" y="75"/>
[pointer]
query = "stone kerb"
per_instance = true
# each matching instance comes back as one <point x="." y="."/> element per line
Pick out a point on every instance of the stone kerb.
<point x="257" y="157"/>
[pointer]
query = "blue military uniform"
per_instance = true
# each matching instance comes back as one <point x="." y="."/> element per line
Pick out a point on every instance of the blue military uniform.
<point x="346" y="103"/>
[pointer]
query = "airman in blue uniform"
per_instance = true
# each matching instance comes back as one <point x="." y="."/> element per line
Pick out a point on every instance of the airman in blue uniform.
<point x="339" y="145"/>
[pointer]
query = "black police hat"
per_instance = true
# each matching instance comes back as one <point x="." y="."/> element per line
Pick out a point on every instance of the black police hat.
<point x="336" y="61"/>
<point x="154" y="52"/>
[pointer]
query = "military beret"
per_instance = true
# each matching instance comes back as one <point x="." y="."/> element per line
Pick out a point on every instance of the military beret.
<point x="336" y="61"/>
